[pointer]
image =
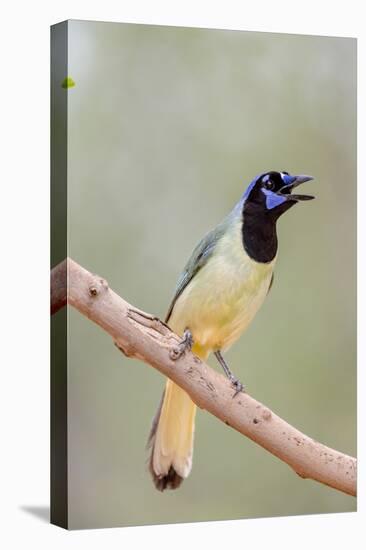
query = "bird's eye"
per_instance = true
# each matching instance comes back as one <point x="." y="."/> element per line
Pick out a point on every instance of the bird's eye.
<point x="268" y="183"/>
<point x="283" y="172"/>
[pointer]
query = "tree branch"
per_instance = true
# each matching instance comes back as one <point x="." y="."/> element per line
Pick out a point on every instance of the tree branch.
<point x="58" y="287"/>
<point x="143" y="336"/>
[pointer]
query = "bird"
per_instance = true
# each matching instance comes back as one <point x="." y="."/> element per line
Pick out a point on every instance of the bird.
<point x="222" y="287"/>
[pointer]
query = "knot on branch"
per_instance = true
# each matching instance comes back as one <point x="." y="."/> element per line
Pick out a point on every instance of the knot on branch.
<point x="175" y="352"/>
<point x="264" y="413"/>
<point x="97" y="287"/>
<point x="128" y="351"/>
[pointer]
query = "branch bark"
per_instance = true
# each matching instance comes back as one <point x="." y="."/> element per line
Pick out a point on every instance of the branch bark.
<point x="144" y="337"/>
<point x="58" y="287"/>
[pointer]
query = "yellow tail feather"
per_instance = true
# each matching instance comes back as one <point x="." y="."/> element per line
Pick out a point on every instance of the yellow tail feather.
<point x="172" y="435"/>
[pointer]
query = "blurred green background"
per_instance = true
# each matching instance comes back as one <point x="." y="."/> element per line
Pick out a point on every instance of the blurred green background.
<point x="167" y="126"/>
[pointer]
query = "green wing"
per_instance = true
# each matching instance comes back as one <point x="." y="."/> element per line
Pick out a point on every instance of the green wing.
<point x="198" y="259"/>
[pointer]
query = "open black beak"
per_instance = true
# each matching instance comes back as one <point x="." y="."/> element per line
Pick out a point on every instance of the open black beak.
<point x="297" y="180"/>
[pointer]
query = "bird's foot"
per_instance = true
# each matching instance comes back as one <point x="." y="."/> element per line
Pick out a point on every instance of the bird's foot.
<point x="184" y="345"/>
<point x="239" y="387"/>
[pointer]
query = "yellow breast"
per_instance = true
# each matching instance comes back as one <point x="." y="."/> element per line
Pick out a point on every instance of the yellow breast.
<point x="223" y="297"/>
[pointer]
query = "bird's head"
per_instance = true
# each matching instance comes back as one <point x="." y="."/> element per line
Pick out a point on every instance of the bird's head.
<point x="271" y="193"/>
<point x="266" y="199"/>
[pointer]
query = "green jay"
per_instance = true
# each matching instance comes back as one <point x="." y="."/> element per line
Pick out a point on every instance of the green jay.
<point x="221" y="288"/>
